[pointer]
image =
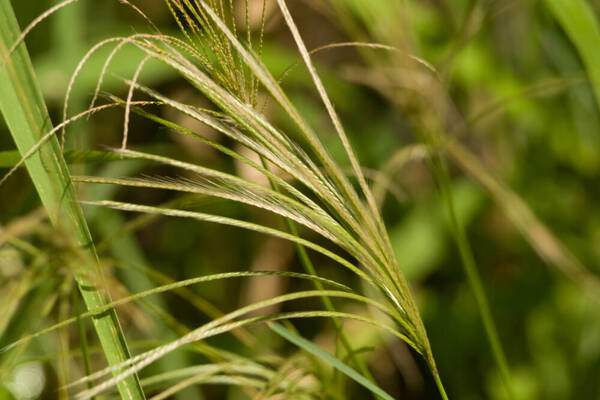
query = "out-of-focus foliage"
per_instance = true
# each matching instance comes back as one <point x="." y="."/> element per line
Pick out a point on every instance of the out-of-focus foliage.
<point x="518" y="83"/>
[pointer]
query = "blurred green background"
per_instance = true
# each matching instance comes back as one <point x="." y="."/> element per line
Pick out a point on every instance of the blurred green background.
<point x="530" y="115"/>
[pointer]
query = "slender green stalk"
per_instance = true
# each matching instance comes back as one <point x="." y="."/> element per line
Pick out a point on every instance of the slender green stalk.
<point x="24" y="110"/>
<point x="310" y="269"/>
<point x="440" y="386"/>
<point x="468" y="261"/>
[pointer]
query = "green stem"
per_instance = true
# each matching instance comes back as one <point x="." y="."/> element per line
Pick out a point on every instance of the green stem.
<point x="310" y="269"/>
<point x="440" y="386"/>
<point x="442" y="178"/>
<point x="26" y="116"/>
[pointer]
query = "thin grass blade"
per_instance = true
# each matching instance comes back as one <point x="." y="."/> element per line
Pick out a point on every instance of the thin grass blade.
<point x="328" y="358"/>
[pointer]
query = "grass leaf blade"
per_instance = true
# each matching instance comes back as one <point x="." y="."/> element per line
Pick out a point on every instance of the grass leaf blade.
<point x="25" y="112"/>
<point x="333" y="361"/>
<point x="579" y="22"/>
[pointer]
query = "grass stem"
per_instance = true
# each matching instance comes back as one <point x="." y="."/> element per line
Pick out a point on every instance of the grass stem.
<point x="440" y="385"/>
<point x="310" y="269"/>
<point x="442" y="178"/>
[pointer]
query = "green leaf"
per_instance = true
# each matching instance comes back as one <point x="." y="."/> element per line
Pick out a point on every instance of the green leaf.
<point x="26" y="116"/>
<point x="577" y="19"/>
<point x="9" y="158"/>
<point x="328" y="358"/>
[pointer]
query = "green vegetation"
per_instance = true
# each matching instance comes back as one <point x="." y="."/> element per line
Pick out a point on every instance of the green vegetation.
<point x="321" y="199"/>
